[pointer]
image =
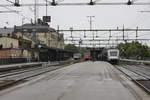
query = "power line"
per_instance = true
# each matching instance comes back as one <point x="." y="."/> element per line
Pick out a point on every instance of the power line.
<point x="9" y="11"/>
<point x="16" y="3"/>
<point x="88" y="30"/>
<point x="143" y="34"/>
<point x="54" y="3"/>
<point x="133" y="39"/>
<point x="10" y="1"/>
<point x="17" y="12"/>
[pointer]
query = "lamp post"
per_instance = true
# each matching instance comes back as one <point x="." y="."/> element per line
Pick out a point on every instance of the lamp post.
<point x="80" y="42"/>
<point x="39" y="47"/>
<point x="22" y="26"/>
<point x="71" y="29"/>
<point x="34" y="34"/>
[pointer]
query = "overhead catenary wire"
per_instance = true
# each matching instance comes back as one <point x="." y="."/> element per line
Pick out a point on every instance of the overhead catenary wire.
<point x="17" y="12"/>
<point x="78" y="3"/>
<point x="10" y="1"/>
<point x="54" y="3"/>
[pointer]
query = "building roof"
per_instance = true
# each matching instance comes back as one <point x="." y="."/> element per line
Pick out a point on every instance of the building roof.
<point x="33" y="28"/>
<point x="6" y="30"/>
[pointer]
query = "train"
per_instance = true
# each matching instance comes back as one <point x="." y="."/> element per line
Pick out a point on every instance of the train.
<point x="110" y="55"/>
<point x="77" y="56"/>
<point x="87" y="56"/>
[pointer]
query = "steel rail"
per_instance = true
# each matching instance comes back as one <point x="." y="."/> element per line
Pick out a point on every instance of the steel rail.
<point x="22" y="78"/>
<point x="144" y="67"/>
<point x="20" y="71"/>
<point x="3" y="86"/>
<point x="138" y="73"/>
<point x="134" y="80"/>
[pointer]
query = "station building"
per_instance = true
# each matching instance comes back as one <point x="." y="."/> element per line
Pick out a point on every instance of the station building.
<point x="31" y="42"/>
<point x="40" y="33"/>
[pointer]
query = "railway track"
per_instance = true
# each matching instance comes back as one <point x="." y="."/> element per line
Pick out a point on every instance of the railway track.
<point x="139" y="70"/>
<point x="16" y="77"/>
<point x="140" y="74"/>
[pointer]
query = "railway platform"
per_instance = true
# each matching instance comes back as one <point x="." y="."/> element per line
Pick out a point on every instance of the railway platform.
<point x="80" y="81"/>
<point x="24" y="65"/>
<point x="20" y="64"/>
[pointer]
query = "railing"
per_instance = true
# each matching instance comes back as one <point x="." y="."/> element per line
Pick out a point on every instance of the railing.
<point x="131" y="61"/>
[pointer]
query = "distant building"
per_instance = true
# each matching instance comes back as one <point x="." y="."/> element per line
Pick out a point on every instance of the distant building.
<point x="6" y="31"/>
<point x="41" y="34"/>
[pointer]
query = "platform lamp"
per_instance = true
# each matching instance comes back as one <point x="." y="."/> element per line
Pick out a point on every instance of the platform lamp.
<point x="34" y="35"/>
<point x="71" y="29"/>
<point x="80" y="42"/>
<point x="39" y="47"/>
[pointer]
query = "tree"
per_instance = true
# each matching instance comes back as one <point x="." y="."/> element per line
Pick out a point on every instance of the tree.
<point x="71" y="47"/>
<point x="134" y="50"/>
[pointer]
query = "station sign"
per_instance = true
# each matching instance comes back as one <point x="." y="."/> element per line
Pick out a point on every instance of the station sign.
<point x="47" y="18"/>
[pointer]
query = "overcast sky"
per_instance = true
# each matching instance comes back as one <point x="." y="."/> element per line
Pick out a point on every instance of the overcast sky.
<point x="75" y="16"/>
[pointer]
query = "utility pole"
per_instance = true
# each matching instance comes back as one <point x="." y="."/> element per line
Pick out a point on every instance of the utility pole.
<point x="35" y="18"/>
<point x="136" y="33"/>
<point x="22" y="27"/>
<point x="123" y="33"/>
<point x="35" y="11"/>
<point x="46" y="7"/>
<point x="91" y="21"/>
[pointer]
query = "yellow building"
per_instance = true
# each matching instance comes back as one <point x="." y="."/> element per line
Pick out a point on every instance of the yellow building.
<point x="8" y="42"/>
<point x="29" y="41"/>
<point x="40" y="34"/>
<point x="15" y="48"/>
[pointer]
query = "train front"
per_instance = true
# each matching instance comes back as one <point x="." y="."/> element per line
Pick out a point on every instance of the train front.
<point x="113" y="56"/>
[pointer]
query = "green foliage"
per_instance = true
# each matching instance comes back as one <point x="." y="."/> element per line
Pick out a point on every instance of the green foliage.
<point x="134" y="50"/>
<point x="71" y="47"/>
<point x="83" y="50"/>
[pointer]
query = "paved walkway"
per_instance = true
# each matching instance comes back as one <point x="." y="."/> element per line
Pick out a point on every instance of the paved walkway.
<point x="20" y="64"/>
<point x="82" y="81"/>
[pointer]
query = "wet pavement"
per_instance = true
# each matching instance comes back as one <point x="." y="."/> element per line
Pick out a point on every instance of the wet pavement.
<point x="81" y="81"/>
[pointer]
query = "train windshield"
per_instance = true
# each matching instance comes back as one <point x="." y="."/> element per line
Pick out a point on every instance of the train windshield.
<point x="113" y="53"/>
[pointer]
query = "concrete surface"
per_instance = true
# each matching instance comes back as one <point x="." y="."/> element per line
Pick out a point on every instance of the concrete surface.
<point x="82" y="81"/>
<point x="20" y="64"/>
